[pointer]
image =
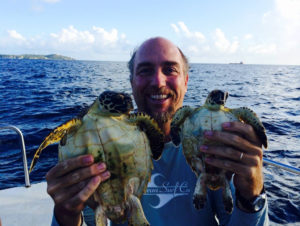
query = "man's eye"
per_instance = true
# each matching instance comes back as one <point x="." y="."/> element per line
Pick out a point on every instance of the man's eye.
<point x="144" y="71"/>
<point x="170" y="71"/>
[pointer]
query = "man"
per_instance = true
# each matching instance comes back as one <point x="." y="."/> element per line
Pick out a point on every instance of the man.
<point x="159" y="78"/>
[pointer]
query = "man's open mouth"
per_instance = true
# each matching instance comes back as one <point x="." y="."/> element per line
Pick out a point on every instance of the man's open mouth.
<point x="159" y="96"/>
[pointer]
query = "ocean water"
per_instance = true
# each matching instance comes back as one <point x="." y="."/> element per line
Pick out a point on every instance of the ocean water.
<point x="37" y="96"/>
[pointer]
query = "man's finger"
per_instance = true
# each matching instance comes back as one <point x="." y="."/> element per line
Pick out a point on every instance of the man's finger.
<point x="226" y="152"/>
<point x="69" y="165"/>
<point x="78" y="200"/>
<point x="235" y="167"/>
<point x="244" y="129"/>
<point x="233" y="140"/>
<point x="66" y="193"/>
<point x="76" y="176"/>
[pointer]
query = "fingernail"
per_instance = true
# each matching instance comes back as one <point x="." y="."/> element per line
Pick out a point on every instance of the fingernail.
<point x="101" y="166"/>
<point x="96" y="179"/>
<point x="203" y="147"/>
<point x="87" y="159"/>
<point x="226" y="125"/>
<point x="208" y="133"/>
<point x="106" y="175"/>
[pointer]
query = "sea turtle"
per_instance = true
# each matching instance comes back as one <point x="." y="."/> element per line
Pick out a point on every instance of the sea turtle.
<point x="188" y="125"/>
<point x="125" y="142"/>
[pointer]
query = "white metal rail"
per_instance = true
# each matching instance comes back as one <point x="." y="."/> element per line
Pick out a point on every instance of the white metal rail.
<point x="282" y="166"/>
<point x="21" y="139"/>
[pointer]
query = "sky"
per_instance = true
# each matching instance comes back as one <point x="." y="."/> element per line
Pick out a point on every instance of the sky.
<point x="214" y="31"/>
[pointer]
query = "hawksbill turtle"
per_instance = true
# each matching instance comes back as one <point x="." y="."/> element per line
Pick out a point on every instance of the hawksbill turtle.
<point x="188" y="125"/>
<point x="126" y="142"/>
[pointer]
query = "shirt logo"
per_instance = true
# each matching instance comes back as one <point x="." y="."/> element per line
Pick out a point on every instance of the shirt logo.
<point x="166" y="191"/>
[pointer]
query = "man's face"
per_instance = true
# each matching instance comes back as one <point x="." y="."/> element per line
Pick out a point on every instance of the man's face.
<point x="159" y="83"/>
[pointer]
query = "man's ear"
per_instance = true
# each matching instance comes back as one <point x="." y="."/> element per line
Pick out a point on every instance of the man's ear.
<point x="186" y="79"/>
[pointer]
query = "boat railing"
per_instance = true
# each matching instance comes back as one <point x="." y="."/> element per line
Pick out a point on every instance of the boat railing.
<point x="282" y="166"/>
<point x="23" y="149"/>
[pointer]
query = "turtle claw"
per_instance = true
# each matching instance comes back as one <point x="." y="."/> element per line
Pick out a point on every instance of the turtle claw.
<point x="175" y="131"/>
<point x="199" y="201"/>
<point x="228" y="205"/>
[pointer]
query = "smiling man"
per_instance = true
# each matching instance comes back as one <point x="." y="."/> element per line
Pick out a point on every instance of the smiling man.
<point x="159" y="78"/>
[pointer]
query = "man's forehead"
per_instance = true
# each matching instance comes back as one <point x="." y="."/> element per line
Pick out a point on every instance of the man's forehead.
<point x="158" y="52"/>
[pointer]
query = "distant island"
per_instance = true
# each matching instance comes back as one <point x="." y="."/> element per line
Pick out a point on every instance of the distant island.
<point x="36" y="57"/>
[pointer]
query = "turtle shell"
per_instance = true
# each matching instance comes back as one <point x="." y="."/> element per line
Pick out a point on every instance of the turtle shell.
<point x="194" y="126"/>
<point x="106" y="137"/>
<point x="125" y="142"/>
<point x="188" y="126"/>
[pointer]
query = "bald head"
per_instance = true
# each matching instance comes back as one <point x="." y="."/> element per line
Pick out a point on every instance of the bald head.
<point x="154" y="45"/>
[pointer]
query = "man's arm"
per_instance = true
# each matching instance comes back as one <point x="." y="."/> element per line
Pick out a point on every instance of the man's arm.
<point x="71" y="183"/>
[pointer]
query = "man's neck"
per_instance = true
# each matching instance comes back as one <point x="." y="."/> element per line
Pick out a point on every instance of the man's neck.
<point x="166" y="129"/>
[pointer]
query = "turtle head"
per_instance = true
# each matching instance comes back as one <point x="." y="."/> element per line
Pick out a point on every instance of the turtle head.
<point x="216" y="98"/>
<point x="115" y="102"/>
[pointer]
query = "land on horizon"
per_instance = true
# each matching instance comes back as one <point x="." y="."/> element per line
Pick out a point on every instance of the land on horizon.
<point x="36" y="57"/>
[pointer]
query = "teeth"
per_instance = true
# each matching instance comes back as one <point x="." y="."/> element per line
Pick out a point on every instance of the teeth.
<point x="159" y="97"/>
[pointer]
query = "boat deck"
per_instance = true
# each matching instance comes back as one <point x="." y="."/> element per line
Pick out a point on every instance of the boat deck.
<point x="26" y="206"/>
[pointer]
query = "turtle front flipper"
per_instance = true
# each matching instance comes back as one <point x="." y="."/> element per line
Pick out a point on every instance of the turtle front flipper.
<point x="178" y="118"/>
<point x="54" y="137"/>
<point x="137" y="216"/>
<point x="153" y="132"/>
<point x="248" y="116"/>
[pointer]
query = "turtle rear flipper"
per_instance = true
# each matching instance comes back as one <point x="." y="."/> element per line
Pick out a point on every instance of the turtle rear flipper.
<point x="178" y="118"/>
<point x="55" y="136"/>
<point x="249" y="117"/>
<point x="153" y="132"/>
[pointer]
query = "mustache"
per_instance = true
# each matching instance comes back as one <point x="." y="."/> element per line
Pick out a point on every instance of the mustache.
<point x="162" y="90"/>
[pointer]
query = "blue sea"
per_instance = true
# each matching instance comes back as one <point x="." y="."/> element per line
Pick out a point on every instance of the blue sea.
<point x="38" y="95"/>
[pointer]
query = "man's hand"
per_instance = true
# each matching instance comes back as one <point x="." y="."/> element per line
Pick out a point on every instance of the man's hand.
<point x="71" y="183"/>
<point x="242" y="155"/>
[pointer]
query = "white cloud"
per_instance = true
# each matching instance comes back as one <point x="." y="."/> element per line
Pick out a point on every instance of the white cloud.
<point x="248" y="36"/>
<point x="223" y="44"/>
<point x="175" y="28"/>
<point x="182" y="30"/>
<point x="71" y="36"/>
<point x="194" y="41"/>
<point x="283" y="25"/>
<point x="15" y="35"/>
<point x="220" y="41"/>
<point x="92" y="44"/>
<point x="106" y="36"/>
<point x="289" y="9"/>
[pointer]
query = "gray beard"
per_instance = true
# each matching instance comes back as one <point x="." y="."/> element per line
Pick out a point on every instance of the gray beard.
<point x="162" y="118"/>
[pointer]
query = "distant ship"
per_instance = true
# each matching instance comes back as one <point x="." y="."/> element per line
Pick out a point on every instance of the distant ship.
<point x="237" y="63"/>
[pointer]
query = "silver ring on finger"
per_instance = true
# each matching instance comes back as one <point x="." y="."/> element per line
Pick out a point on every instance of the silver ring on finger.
<point x="241" y="156"/>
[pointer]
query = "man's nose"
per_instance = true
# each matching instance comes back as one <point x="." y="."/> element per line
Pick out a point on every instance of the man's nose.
<point x="158" y="79"/>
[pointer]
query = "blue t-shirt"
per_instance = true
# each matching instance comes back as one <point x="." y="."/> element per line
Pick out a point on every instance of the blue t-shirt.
<point x="168" y="200"/>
